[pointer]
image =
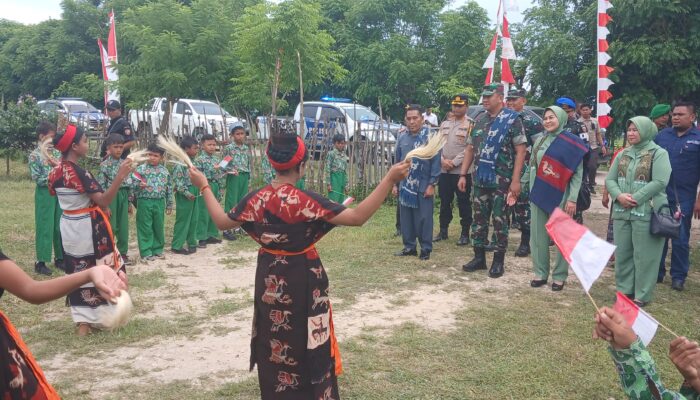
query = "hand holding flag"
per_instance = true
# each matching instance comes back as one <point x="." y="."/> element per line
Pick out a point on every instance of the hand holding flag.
<point x="643" y="324"/>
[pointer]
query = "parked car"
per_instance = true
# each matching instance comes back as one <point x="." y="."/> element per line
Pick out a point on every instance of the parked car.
<point x="187" y="117"/>
<point x="78" y="111"/>
<point x="335" y="115"/>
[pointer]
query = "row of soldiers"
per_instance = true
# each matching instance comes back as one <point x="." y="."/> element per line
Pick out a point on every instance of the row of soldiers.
<point x="498" y="140"/>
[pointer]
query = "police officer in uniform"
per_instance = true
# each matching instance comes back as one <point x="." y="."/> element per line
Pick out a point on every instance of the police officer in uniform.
<point x="456" y="131"/>
<point x="533" y="130"/>
<point x="118" y="124"/>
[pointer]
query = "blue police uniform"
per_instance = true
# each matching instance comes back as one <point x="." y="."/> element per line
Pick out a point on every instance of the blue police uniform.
<point x="684" y="152"/>
<point x="418" y="222"/>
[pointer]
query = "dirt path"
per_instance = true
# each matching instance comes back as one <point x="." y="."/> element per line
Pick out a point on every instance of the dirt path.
<point x="219" y="352"/>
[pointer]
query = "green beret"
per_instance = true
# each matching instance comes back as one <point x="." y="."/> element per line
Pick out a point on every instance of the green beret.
<point x="659" y="110"/>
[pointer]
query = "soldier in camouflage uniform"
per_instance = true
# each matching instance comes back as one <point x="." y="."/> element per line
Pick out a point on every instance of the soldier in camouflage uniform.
<point x="533" y="129"/>
<point x="497" y="146"/>
<point x="636" y="367"/>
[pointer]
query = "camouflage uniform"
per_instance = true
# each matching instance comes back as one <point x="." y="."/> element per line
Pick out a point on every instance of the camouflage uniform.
<point x="533" y="129"/>
<point x="639" y="378"/>
<point x="490" y="200"/>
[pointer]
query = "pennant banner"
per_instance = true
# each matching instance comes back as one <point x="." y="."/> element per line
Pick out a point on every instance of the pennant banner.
<point x="109" y="62"/>
<point x="602" y="107"/>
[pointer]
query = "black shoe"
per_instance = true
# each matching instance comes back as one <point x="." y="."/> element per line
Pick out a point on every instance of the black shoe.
<point x="490" y="247"/>
<point x="229" y="235"/>
<point x="440" y="236"/>
<point x="497" y="268"/>
<point x="639" y="303"/>
<point x="41" y="268"/>
<point x="424" y="255"/>
<point x="677" y="284"/>
<point x="180" y="251"/>
<point x="463" y="240"/>
<point x="202" y="244"/>
<point x="406" y="252"/>
<point x="127" y="261"/>
<point x="478" y="262"/>
<point x="538" y="282"/>
<point x="557" y="287"/>
<point x="59" y="265"/>
<point x="192" y="250"/>
<point x="213" y="240"/>
<point x="524" y="248"/>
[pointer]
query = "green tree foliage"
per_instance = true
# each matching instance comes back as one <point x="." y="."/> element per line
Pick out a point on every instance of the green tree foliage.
<point x="87" y="86"/>
<point x="18" y="123"/>
<point x="655" y="50"/>
<point x="557" y="44"/>
<point x="270" y="31"/>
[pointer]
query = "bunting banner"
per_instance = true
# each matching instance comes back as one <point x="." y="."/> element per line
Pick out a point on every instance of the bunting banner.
<point x="109" y="60"/>
<point x="603" y="94"/>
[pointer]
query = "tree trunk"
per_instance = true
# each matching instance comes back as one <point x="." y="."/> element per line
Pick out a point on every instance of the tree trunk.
<point x="7" y="163"/>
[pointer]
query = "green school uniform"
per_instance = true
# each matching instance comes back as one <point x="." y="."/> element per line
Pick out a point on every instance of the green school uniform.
<point x="642" y="170"/>
<point x="267" y="171"/>
<point x="186" y="209"/>
<point x="120" y="205"/>
<point x="639" y="378"/>
<point x="336" y="174"/>
<point x="47" y="212"/>
<point x="153" y="200"/>
<point x="206" y="163"/>
<point x="236" y="184"/>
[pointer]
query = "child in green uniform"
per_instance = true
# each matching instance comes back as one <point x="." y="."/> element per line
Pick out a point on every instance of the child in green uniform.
<point x="208" y="163"/>
<point x="186" y="203"/>
<point x="267" y="171"/>
<point x="47" y="212"/>
<point x="153" y="188"/>
<point x="336" y="170"/>
<point x="237" y="171"/>
<point x="119" y="208"/>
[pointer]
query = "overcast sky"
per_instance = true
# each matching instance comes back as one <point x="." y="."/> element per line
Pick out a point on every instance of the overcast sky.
<point x="34" y="11"/>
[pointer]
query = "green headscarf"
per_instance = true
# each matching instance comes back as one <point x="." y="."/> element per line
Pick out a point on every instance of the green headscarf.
<point x="647" y="131"/>
<point x="562" y="117"/>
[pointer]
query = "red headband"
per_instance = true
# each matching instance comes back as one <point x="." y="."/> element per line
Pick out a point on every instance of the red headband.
<point x="67" y="139"/>
<point x="298" y="157"/>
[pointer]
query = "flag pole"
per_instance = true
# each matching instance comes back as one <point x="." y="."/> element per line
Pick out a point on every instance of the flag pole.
<point x="668" y="330"/>
<point x="593" y="301"/>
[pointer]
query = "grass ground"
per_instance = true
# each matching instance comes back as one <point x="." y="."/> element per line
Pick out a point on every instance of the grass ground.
<point x="504" y="339"/>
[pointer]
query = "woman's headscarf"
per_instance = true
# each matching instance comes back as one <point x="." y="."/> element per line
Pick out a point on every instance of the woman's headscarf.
<point x="647" y="131"/>
<point x="562" y="117"/>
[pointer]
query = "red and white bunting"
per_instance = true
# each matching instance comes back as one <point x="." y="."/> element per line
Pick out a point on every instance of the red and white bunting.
<point x="603" y="96"/>
<point x="507" y="50"/>
<point x="109" y="61"/>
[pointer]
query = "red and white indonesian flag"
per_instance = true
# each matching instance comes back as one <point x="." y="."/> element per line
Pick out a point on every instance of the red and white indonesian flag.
<point x="643" y="324"/>
<point x="585" y="252"/>
<point x="109" y="61"/>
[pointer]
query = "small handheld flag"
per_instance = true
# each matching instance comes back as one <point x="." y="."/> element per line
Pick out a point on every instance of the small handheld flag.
<point x="225" y="161"/>
<point x="139" y="177"/>
<point x="348" y="201"/>
<point x="643" y="324"/>
<point x="585" y="252"/>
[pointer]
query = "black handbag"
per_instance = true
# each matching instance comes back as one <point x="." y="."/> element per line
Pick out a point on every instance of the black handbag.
<point x="662" y="224"/>
<point x="583" y="202"/>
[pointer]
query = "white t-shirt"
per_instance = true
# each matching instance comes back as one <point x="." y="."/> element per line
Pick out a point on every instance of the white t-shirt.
<point x="431" y="119"/>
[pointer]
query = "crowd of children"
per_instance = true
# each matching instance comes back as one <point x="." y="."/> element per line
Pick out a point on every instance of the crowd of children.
<point x="151" y="187"/>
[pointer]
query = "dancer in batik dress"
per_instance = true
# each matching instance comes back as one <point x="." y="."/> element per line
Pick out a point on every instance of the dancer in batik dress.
<point x="85" y="229"/>
<point x="293" y="341"/>
<point x="20" y="375"/>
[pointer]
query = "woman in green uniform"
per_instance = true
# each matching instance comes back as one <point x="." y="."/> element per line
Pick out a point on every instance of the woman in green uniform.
<point x="637" y="180"/>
